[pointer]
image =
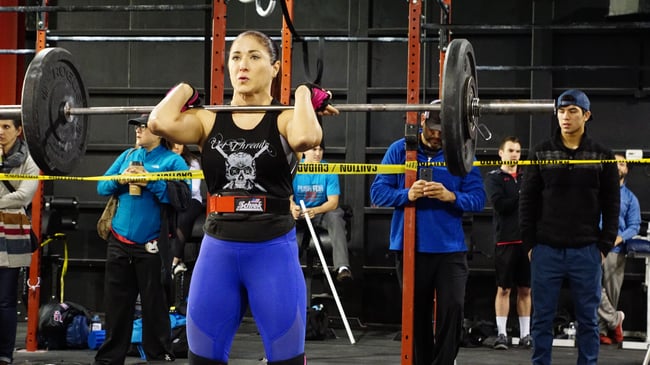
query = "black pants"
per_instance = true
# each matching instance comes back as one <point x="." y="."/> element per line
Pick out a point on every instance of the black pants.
<point x="8" y="318"/>
<point x="130" y="270"/>
<point x="185" y="224"/>
<point x="444" y="274"/>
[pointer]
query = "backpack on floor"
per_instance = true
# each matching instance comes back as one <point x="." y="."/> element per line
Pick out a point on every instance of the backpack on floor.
<point x="54" y="319"/>
<point x="77" y="332"/>
<point x="317" y="323"/>
<point x="179" y="336"/>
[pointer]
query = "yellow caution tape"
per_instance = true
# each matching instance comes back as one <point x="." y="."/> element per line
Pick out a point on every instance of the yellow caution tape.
<point x="349" y="168"/>
<point x="314" y="168"/>
<point x="64" y="269"/>
<point x="167" y="175"/>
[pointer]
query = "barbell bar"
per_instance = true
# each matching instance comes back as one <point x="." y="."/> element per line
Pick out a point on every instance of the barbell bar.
<point x="55" y="109"/>
<point x="482" y="107"/>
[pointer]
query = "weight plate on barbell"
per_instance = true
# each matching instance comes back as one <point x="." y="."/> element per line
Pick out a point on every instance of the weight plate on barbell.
<point x="459" y="89"/>
<point x="56" y="141"/>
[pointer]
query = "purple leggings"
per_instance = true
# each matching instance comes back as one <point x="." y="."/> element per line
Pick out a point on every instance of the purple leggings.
<point x="230" y="276"/>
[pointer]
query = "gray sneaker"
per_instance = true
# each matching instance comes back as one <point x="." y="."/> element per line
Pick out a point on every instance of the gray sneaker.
<point x="526" y="342"/>
<point x="501" y="343"/>
<point x="179" y="268"/>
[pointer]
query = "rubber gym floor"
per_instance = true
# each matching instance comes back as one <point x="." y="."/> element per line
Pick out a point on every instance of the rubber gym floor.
<point x="375" y="346"/>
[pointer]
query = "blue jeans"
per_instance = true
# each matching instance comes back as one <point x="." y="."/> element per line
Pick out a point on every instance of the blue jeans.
<point x="582" y="268"/>
<point x="8" y="316"/>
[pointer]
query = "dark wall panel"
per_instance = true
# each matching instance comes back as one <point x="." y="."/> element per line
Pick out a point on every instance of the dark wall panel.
<point x="101" y="64"/>
<point x="75" y="21"/>
<point x="385" y="128"/>
<point x="387" y="64"/>
<point x="613" y="50"/>
<point x="163" y="65"/>
<point x="581" y="10"/>
<point x="376" y="251"/>
<point x="492" y="12"/>
<point x="491" y="52"/>
<point x="388" y="14"/>
<point x="335" y="64"/>
<point x="108" y="129"/>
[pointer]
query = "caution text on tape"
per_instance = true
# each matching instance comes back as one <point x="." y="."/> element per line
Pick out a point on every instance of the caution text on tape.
<point x="314" y="168"/>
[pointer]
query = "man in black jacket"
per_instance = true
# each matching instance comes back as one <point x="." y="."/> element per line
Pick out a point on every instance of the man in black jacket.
<point x="511" y="263"/>
<point x="561" y="204"/>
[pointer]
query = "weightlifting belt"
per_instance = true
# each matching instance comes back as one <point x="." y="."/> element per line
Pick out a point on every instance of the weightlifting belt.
<point x="250" y="204"/>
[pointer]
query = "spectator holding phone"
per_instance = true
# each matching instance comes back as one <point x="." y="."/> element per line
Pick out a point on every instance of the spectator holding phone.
<point x="441" y="199"/>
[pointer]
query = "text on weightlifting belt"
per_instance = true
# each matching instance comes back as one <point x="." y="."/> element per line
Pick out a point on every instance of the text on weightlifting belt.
<point x="252" y="204"/>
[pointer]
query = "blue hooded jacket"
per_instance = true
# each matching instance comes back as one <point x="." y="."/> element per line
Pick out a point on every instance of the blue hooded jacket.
<point x="137" y="218"/>
<point x="439" y="225"/>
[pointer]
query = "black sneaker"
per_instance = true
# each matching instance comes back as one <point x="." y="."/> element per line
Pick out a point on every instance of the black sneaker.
<point x="526" y="342"/>
<point x="501" y="343"/>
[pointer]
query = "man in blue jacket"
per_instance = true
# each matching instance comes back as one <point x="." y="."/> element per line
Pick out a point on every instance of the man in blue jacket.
<point x="440" y="260"/>
<point x="610" y="320"/>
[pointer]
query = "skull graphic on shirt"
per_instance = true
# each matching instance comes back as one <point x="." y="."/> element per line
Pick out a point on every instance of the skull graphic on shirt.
<point x="240" y="171"/>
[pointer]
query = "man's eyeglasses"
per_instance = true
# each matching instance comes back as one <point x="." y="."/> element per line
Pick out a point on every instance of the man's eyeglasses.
<point x="140" y="127"/>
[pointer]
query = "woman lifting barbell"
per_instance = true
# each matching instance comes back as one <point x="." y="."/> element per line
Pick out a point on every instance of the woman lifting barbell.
<point x="249" y="255"/>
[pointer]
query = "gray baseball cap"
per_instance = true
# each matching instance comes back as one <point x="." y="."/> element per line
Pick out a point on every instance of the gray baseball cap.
<point x="432" y="118"/>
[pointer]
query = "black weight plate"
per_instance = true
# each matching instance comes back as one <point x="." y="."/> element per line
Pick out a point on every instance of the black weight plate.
<point x="459" y="89"/>
<point x="56" y="142"/>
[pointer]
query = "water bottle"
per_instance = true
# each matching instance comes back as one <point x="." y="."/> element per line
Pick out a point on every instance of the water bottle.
<point x="317" y="307"/>
<point x="95" y="323"/>
<point x="134" y="189"/>
<point x="571" y="331"/>
<point x="97" y="334"/>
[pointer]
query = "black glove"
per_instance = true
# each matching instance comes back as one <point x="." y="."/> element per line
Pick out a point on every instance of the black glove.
<point x="194" y="100"/>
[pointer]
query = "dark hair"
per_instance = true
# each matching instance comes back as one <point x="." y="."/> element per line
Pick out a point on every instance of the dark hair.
<point x="507" y="139"/>
<point x="274" y="51"/>
<point x="168" y="145"/>
<point x="187" y="155"/>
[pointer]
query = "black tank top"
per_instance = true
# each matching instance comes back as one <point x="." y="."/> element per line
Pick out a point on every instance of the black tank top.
<point x="248" y="162"/>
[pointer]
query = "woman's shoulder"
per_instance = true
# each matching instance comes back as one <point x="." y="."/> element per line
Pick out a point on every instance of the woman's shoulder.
<point x="207" y="120"/>
<point x="30" y="165"/>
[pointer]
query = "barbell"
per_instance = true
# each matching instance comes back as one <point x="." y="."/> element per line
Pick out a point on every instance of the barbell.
<point x="55" y="110"/>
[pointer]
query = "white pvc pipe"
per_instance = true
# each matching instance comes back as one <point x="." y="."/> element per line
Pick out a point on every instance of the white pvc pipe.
<point x="327" y="272"/>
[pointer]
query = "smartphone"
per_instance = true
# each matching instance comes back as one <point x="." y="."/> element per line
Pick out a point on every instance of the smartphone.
<point x="426" y="174"/>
